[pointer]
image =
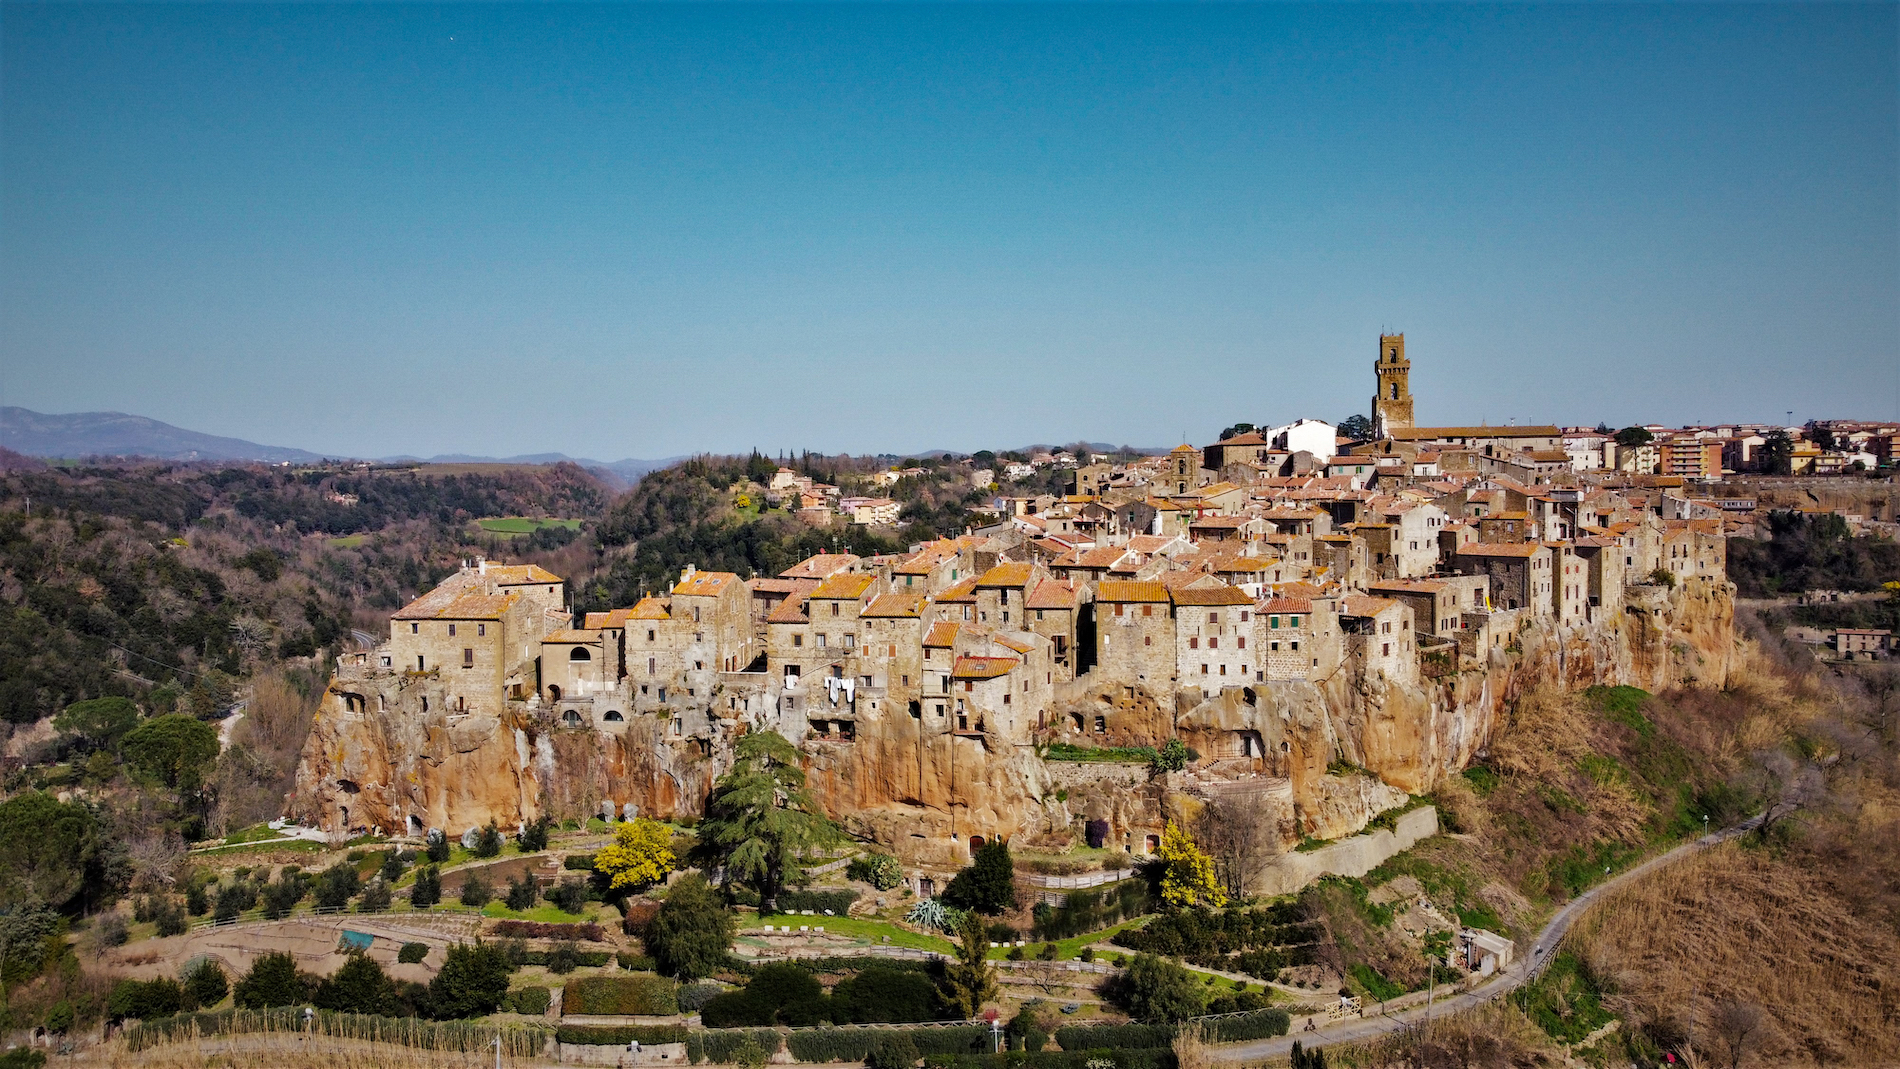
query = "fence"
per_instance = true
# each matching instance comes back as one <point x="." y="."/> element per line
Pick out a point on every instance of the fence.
<point x="1076" y="883"/>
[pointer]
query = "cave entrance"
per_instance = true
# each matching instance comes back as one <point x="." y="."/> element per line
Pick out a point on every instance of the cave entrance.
<point x="1152" y="844"/>
<point x="976" y="843"/>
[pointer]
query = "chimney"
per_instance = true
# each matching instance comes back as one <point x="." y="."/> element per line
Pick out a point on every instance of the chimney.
<point x="687" y="573"/>
<point x="481" y="565"/>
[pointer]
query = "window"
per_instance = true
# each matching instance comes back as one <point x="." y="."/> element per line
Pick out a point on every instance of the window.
<point x="1213" y="618"/>
<point x="1273" y="647"/>
<point x="850" y="641"/>
<point x="1243" y="616"/>
<point x="451" y="630"/>
<point x="481" y="630"/>
<point x="1118" y="608"/>
<point x="649" y="634"/>
<point x="652" y="665"/>
<point x="834" y="608"/>
<point x="1194" y="643"/>
<point x="1147" y="640"/>
<point x="468" y="657"/>
<point x="1223" y="669"/>
<point x="419" y="667"/>
<point x="1101" y="725"/>
<point x="1242" y="640"/>
<point x="1038" y="614"/>
<point x="1147" y="610"/>
<point x="1203" y="669"/>
<point x="822" y="639"/>
<point x="1385" y="649"/>
<point x="798" y="640"/>
<point x="413" y="628"/>
<point x="1296" y="648"/>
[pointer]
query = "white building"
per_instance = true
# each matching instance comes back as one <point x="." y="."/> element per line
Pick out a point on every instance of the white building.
<point x="1314" y="436"/>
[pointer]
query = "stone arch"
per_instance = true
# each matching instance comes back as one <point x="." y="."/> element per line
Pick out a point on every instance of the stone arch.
<point x="579" y="653"/>
<point x="554" y="693"/>
<point x="613" y="717"/>
<point x="571" y="718"/>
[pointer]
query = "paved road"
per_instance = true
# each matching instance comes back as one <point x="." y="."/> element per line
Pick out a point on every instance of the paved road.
<point x="1521" y="972"/>
<point x="364" y="640"/>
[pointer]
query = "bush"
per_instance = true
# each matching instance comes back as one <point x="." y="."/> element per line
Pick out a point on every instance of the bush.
<point x="170" y="917"/>
<point x="412" y="953"/>
<point x="854" y="1044"/>
<point x="360" y="986"/>
<point x="569" y="896"/>
<point x="274" y="980"/>
<point x="428" y="887"/>
<point x="436" y="847"/>
<point x="641" y="995"/>
<point x="22" y="1058"/>
<point x="597" y="1035"/>
<point x="488" y="841"/>
<point x="475" y="891"/>
<point x="376" y="897"/>
<point x="893" y="1050"/>
<point x="838" y="902"/>
<point x="721" y="1047"/>
<point x="779" y="993"/>
<point x="578" y="862"/>
<point x="523" y="893"/>
<point x="282" y="896"/>
<point x="988" y="885"/>
<point x="534" y="835"/>
<point x="692" y="996"/>
<point x="1155" y="989"/>
<point x="392" y="867"/>
<point x="564" y="957"/>
<point x="886" y="996"/>
<point x="472" y="982"/>
<point x="637" y="962"/>
<point x="197" y="903"/>
<point x="337" y="885"/>
<point x="110" y="931"/>
<point x="145" y="999"/>
<point x="206" y="985"/>
<point x="879" y="870"/>
<point x="533" y="1001"/>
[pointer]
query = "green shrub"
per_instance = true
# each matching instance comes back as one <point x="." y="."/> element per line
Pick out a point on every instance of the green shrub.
<point x="620" y="1035"/>
<point x="1091" y="1037"/>
<point x="838" y="902"/>
<point x="533" y="1001"/>
<point x="719" y="1047"/>
<point x="854" y="1044"/>
<point x="22" y="1058"/>
<point x="412" y="953"/>
<point x="643" y="995"/>
<point x="695" y="995"/>
<point x="881" y="871"/>
<point x="578" y="862"/>
<point x="886" y="996"/>
<point x="637" y="962"/>
<point x="145" y="999"/>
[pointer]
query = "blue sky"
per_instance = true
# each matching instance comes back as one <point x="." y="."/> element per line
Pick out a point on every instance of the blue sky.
<point x="650" y="230"/>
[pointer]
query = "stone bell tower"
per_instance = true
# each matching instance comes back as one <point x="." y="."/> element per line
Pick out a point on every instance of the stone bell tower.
<point x="1392" y="404"/>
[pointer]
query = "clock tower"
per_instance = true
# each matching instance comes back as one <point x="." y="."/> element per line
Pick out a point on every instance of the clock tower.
<point x="1392" y="404"/>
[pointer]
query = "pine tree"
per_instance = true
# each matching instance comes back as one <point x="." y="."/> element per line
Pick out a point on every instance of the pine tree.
<point x="761" y="819"/>
<point x="989" y="884"/>
<point x="968" y="979"/>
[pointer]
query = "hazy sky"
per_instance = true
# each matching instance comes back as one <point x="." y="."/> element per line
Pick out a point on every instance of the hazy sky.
<point x="643" y="231"/>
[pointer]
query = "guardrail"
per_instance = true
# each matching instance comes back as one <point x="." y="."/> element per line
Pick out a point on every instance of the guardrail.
<point x="1075" y="883"/>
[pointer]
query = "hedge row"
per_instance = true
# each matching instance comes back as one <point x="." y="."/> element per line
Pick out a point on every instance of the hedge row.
<point x="578" y="863"/>
<point x="644" y="995"/>
<point x="719" y="1047"/>
<point x="518" y="1040"/>
<point x="593" y="958"/>
<point x="589" y="932"/>
<point x="1260" y="1024"/>
<point x="637" y="962"/>
<point x="1124" y="1058"/>
<point x="621" y="1035"/>
<point x="533" y="1001"/>
<point x="838" y="902"/>
<point x="853" y="1044"/>
<point x="861" y="962"/>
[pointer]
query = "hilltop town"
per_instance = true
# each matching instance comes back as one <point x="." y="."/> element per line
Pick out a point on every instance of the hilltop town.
<point x="1329" y="625"/>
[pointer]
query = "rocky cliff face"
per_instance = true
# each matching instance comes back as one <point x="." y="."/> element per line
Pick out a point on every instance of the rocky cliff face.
<point x="377" y="760"/>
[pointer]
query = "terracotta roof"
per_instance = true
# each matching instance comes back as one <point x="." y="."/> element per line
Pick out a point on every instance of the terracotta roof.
<point x="705" y="584"/>
<point x="1421" y="434"/>
<point x="1244" y="564"/>
<point x="768" y="585"/>
<point x="888" y="605"/>
<point x="843" y="587"/>
<point x="1118" y="590"/>
<point x="1212" y="595"/>
<point x="983" y="667"/>
<point x="519" y="575"/>
<point x="1499" y="549"/>
<point x="649" y="608"/>
<point x="1413" y="586"/>
<point x="942" y="633"/>
<point x="1150" y="543"/>
<point x="789" y="611"/>
<point x="1286" y="605"/>
<point x="1012" y="574"/>
<point x="572" y="635"/>
<point x="466" y="607"/>
<point x="1106" y="556"/>
<point x="963" y="590"/>
<point x="1219" y="521"/>
<point x="1015" y="643"/>
<point x="611" y="618"/>
<point x="1052" y="594"/>
<point x="1244" y="438"/>
<point x="822" y="566"/>
<point x="1361" y="605"/>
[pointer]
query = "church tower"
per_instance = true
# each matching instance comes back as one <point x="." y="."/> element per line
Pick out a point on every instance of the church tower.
<point x="1392" y="404"/>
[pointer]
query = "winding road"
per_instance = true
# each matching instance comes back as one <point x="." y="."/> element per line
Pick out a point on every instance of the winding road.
<point x="1519" y="973"/>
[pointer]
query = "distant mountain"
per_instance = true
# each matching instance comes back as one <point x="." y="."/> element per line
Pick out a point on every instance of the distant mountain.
<point x="82" y="434"/>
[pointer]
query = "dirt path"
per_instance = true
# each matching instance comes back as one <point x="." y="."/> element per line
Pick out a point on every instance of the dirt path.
<point x="1519" y="973"/>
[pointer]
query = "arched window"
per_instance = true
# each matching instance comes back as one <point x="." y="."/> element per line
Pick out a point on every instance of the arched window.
<point x="571" y="718"/>
<point x="579" y="653"/>
<point x="613" y="717"/>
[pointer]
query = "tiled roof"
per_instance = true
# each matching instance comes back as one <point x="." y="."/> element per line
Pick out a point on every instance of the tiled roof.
<point x="768" y="585"/>
<point x="478" y="607"/>
<point x="1424" y="434"/>
<point x="963" y="590"/>
<point x="822" y="566"/>
<point x="1052" y="594"/>
<point x="1017" y="644"/>
<point x="572" y="635"/>
<point x="1118" y="590"/>
<point x="1499" y="549"/>
<point x="1151" y="543"/>
<point x="1244" y="438"/>
<point x="1411" y="586"/>
<point x="1361" y="605"/>
<point x="519" y="575"/>
<point x="1211" y="595"/>
<point x="890" y="605"/>
<point x="649" y="608"/>
<point x="789" y="611"/>
<point x="843" y="587"/>
<point x="1012" y="574"/>
<point x="705" y="584"/>
<point x="1286" y="605"/>
<point x="942" y="633"/>
<point x="983" y="667"/>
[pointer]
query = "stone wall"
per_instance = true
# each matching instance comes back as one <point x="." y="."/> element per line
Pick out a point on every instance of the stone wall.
<point x="1356" y="856"/>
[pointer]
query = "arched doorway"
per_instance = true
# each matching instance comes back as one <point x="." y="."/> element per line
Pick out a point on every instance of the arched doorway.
<point x="976" y="843"/>
<point x="613" y="717"/>
<point x="554" y="693"/>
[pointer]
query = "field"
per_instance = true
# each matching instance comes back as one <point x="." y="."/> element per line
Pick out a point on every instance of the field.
<point x="516" y="526"/>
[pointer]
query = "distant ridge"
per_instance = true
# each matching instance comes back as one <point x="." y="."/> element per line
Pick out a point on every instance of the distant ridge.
<point x="116" y="434"/>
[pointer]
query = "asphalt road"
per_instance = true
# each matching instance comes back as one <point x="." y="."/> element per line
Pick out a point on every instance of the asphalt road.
<point x="364" y="640"/>
<point x="1520" y="972"/>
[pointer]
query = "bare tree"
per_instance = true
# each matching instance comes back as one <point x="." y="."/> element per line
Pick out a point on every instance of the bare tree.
<point x="1048" y="977"/>
<point x="1739" y="1026"/>
<point x="1237" y="831"/>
